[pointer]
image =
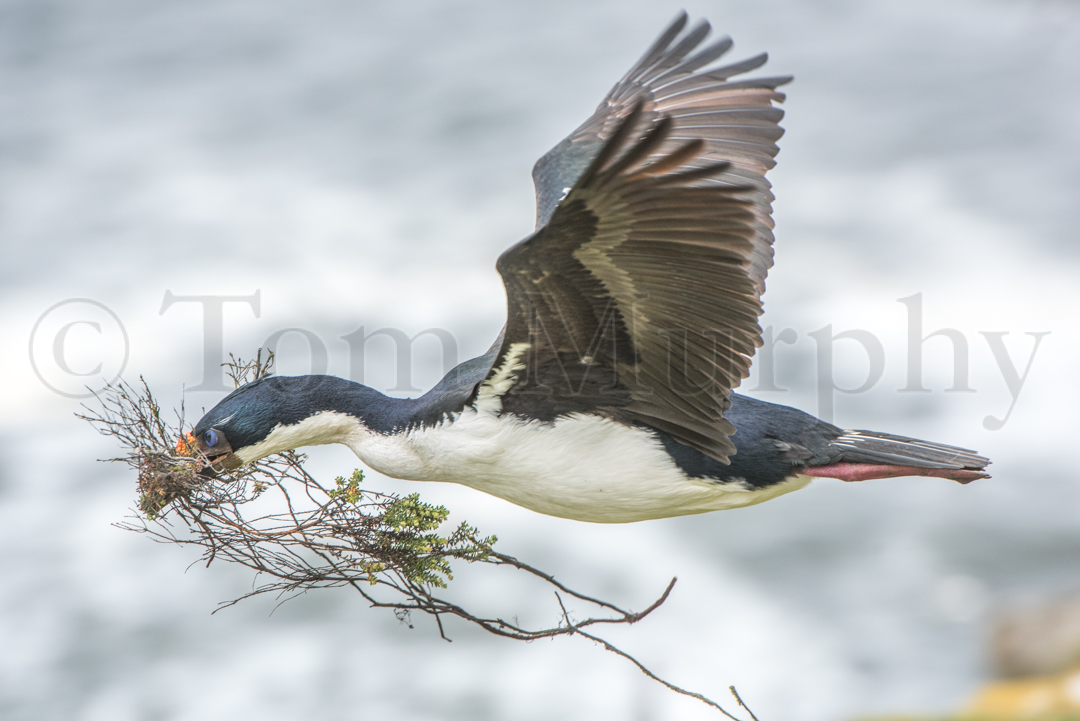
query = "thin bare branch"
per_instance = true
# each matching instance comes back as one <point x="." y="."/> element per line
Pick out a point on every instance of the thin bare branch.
<point x="641" y="667"/>
<point x="744" y="706"/>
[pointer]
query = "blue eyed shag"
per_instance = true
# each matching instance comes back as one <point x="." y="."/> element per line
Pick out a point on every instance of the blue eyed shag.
<point x="632" y="314"/>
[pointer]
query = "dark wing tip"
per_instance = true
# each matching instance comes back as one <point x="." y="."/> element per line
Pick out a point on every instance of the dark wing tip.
<point x="615" y="143"/>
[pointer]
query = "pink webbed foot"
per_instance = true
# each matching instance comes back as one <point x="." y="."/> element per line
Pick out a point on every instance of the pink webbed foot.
<point x="868" y="471"/>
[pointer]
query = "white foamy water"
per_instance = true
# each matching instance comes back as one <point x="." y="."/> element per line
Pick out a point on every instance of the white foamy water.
<point x="364" y="165"/>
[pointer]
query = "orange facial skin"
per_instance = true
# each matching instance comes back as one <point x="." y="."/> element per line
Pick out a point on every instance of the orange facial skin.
<point x="186" y="445"/>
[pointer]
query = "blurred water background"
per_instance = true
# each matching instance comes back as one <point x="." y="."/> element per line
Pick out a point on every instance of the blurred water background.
<point x="363" y="164"/>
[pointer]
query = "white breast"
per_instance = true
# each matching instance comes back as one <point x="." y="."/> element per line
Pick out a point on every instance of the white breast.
<point x="581" y="467"/>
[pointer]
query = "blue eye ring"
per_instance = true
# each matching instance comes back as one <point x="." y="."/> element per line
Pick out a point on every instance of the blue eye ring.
<point x="211" y="438"/>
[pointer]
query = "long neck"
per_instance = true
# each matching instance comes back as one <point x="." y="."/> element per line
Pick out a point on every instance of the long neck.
<point x="316" y="410"/>
<point x="298" y="398"/>
<point x="304" y="396"/>
<point x="285" y="412"/>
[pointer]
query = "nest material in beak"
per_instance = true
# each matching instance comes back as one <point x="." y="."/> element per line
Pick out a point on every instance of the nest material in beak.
<point x="162" y="480"/>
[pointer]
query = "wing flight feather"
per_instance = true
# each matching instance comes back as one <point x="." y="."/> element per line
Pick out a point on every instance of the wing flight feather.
<point x="736" y="119"/>
<point x="638" y="298"/>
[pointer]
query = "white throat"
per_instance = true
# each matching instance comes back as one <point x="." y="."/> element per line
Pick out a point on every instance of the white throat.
<point x="320" y="429"/>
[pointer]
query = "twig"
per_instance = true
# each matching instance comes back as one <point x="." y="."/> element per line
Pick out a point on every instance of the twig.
<point x="576" y="629"/>
<point x="739" y="699"/>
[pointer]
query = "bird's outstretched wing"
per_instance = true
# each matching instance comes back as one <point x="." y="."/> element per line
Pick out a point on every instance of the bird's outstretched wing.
<point x="638" y="299"/>
<point x="736" y="120"/>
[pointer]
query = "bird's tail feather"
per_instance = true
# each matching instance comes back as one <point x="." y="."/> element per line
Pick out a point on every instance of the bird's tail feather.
<point x="886" y="449"/>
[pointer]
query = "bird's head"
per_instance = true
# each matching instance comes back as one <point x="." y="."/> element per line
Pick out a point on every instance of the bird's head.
<point x="271" y="415"/>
